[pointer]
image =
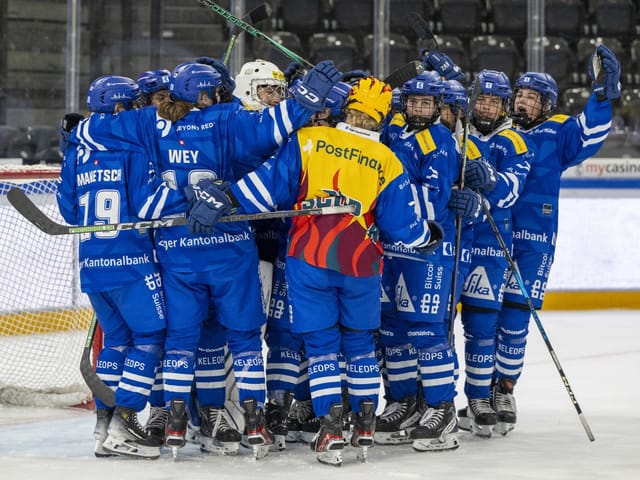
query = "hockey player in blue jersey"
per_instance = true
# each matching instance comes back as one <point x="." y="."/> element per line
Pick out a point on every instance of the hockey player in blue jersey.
<point x="118" y="270"/>
<point x="154" y="87"/>
<point x="334" y="262"/>
<point x="189" y="144"/>
<point x="413" y="332"/>
<point x="498" y="163"/>
<point x="560" y="141"/>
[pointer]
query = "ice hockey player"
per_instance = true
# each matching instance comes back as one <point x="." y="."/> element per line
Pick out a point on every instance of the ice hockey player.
<point x="560" y="141"/>
<point x="154" y="87"/>
<point x="498" y="163"/>
<point x="117" y="269"/>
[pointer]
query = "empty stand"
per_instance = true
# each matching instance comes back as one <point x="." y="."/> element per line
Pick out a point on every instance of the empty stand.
<point x="559" y="61"/>
<point x="337" y="46"/>
<point x="271" y="54"/>
<point x="566" y="18"/>
<point x="462" y="17"/>
<point x="400" y="51"/>
<point x="614" y="18"/>
<point x="509" y="17"/>
<point x="496" y="53"/>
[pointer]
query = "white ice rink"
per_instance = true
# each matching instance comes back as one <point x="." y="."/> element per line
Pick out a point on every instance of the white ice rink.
<point x="600" y="354"/>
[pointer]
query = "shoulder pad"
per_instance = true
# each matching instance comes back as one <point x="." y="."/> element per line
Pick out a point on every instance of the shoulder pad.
<point x="473" y="152"/>
<point x="397" y="119"/>
<point x="559" y="117"/>
<point x="425" y="140"/>
<point x="516" y="139"/>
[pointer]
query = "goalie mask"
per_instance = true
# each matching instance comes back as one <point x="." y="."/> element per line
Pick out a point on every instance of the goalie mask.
<point x="420" y="100"/>
<point x="260" y="84"/>
<point x="535" y="97"/>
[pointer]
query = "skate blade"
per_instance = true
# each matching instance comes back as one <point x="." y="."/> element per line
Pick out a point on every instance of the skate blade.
<point x="130" y="449"/>
<point x="100" y="452"/>
<point x="260" y="451"/>
<point x="330" y="457"/>
<point x="392" y="438"/>
<point x="279" y="443"/>
<point x="214" y="447"/>
<point x="482" y="431"/>
<point x="503" y="428"/>
<point x="448" y="442"/>
<point x="361" y="456"/>
<point x="292" y="437"/>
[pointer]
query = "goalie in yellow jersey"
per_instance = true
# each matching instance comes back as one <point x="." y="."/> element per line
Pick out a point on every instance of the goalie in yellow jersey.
<point x="334" y="262"/>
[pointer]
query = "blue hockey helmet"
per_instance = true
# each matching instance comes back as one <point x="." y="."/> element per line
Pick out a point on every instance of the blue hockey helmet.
<point x="428" y="84"/>
<point x="454" y="95"/>
<point x="546" y="86"/>
<point x="189" y="79"/>
<point x="107" y="91"/>
<point x="151" y="81"/>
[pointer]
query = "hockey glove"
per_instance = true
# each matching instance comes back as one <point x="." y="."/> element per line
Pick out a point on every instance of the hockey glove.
<point x="604" y="70"/>
<point x="353" y="76"/>
<point x="316" y="85"/>
<point x="208" y="202"/>
<point x="465" y="203"/>
<point x="293" y="72"/>
<point x="442" y="63"/>
<point x="227" y="80"/>
<point x="67" y="124"/>
<point x="435" y="239"/>
<point x="480" y="175"/>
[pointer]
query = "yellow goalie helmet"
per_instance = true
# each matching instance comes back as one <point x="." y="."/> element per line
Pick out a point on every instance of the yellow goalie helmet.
<point x="371" y="96"/>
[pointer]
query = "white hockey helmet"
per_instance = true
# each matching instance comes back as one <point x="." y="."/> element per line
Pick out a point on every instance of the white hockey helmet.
<point x="258" y="73"/>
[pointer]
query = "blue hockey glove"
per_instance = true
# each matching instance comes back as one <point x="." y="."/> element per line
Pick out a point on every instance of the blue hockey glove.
<point x="465" y="203"/>
<point x="604" y="70"/>
<point x="480" y="175"/>
<point x="316" y="85"/>
<point x="440" y="62"/>
<point x="211" y="202"/>
<point x="354" y="75"/>
<point x="435" y="239"/>
<point x="293" y="72"/>
<point x="227" y="80"/>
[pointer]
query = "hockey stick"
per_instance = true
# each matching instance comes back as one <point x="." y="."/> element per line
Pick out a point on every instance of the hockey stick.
<point x="457" y="246"/>
<point x="420" y="26"/>
<point x="259" y="13"/>
<point x="254" y="31"/>
<point x="91" y="378"/>
<point x="532" y="309"/>
<point x="398" y="77"/>
<point x="31" y="212"/>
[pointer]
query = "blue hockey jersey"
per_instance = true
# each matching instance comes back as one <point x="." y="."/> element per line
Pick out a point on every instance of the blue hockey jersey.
<point x="99" y="187"/>
<point x="559" y="142"/>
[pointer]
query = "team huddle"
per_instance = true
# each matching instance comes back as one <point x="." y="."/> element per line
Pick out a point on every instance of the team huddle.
<point x="444" y="184"/>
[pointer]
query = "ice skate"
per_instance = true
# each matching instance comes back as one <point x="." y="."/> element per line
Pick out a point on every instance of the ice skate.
<point x="328" y="442"/>
<point x="174" y="436"/>
<point x="157" y="422"/>
<point x="504" y="403"/>
<point x="192" y="435"/>
<point x="127" y="437"/>
<point x="437" y="428"/>
<point x="309" y="428"/>
<point x="397" y="421"/>
<point x="277" y="421"/>
<point x="299" y="412"/>
<point x="258" y="436"/>
<point x="216" y="433"/>
<point x="103" y="417"/>
<point x="364" y="427"/>
<point x="478" y="418"/>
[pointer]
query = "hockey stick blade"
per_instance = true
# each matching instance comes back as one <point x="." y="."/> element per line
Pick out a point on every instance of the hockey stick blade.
<point x="403" y="74"/>
<point x="259" y="13"/>
<point x="421" y="28"/>
<point x="250" y="29"/>
<point x="91" y="378"/>
<point x="31" y="212"/>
